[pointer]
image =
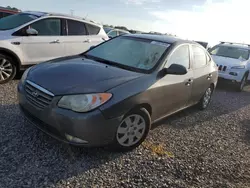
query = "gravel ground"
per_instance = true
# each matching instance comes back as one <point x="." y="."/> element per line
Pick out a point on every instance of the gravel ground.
<point x="193" y="148"/>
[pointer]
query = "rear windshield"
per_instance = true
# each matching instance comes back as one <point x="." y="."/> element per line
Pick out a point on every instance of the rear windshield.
<point x="16" y="20"/>
<point x="231" y="52"/>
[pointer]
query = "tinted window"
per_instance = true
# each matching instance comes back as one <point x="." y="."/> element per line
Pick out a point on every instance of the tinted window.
<point x="200" y="57"/>
<point x="15" y="20"/>
<point x="180" y="56"/>
<point x="130" y="52"/>
<point x="113" y="33"/>
<point x="48" y="27"/>
<point x="93" y="30"/>
<point x="76" y="28"/>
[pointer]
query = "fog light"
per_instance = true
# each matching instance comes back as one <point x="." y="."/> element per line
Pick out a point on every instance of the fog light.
<point x="75" y="139"/>
<point x="233" y="73"/>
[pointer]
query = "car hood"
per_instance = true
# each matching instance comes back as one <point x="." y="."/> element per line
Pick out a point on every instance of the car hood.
<point x="226" y="61"/>
<point x="76" y="75"/>
<point x="5" y="34"/>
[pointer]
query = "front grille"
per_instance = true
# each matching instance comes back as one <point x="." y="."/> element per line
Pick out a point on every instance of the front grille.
<point x="222" y="68"/>
<point x="37" y="95"/>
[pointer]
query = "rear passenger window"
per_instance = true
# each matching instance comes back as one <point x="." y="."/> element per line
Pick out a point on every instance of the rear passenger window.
<point x="92" y="29"/>
<point x="180" y="56"/>
<point x="199" y="56"/>
<point x="76" y="28"/>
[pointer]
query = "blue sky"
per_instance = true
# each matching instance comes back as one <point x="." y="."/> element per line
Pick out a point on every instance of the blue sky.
<point x="209" y="20"/>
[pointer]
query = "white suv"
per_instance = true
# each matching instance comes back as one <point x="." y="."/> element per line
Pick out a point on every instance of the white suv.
<point x="29" y="38"/>
<point x="233" y="62"/>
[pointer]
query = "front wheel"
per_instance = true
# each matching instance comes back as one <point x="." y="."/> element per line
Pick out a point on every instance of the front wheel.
<point x="206" y="99"/>
<point x="242" y="84"/>
<point x="7" y="69"/>
<point x="133" y="130"/>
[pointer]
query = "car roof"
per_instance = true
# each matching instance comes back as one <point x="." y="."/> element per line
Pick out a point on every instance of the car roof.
<point x="42" y="14"/>
<point x="162" y="38"/>
<point x="236" y="46"/>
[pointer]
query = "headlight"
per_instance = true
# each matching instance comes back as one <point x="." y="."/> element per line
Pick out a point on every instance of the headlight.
<point x="25" y="74"/>
<point x="239" y="67"/>
<point x="83" y="103"/>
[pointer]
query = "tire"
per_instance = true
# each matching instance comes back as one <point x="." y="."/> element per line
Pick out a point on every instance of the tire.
<point x="7" y="69"/>
<point x="206" y="98"/>
<point x="130" y="134"/>
<point x="242" y="84"/>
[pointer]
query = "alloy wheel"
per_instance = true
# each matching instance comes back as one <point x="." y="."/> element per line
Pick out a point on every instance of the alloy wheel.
<point x="6" y="69"/>
<point x="131" y="130"/>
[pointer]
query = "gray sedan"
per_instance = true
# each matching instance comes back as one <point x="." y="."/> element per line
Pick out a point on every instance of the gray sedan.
<point x="111" y="94"/>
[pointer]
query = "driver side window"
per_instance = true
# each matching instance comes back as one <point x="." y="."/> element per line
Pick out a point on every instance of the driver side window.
<point x="180" y="56"/>
<point x="48" y="27"/>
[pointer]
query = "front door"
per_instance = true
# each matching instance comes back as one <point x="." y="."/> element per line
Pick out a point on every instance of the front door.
<point x="174" y="90"/>
<point x="46" y="45"/>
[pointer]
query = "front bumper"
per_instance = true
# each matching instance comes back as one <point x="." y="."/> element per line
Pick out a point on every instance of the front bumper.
<point x="232" y="78"/>
<point x="91" y="127"/>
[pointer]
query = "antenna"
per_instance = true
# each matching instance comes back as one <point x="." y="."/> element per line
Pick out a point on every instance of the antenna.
<point x="71" y="12"/>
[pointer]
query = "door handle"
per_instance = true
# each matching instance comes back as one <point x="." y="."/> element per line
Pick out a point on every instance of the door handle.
<point x="189" y="82"/>
<point x="55" y="41"/>
<point x="87" y="41"/>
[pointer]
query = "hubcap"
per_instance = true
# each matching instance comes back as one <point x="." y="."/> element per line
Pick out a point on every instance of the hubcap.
<point x="5" y="69"/>
<point x="207" y="97"/>
<point x="131" y="130"/>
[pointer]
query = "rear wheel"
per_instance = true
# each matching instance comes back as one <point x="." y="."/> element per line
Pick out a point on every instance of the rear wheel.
<point x="206" y="99"/>
<point x="7" y="69"/>
<point x="133" y="130"/>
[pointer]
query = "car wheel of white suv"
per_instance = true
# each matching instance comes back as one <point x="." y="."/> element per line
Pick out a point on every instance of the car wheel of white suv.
<point x="242" y="84"/>
<point x="7" y="69"/>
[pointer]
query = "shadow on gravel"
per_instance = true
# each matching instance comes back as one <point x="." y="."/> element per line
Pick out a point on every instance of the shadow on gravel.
<point x="246" y="127"/>
<point x="225" y="100"/>
<point x="31" y="158"/>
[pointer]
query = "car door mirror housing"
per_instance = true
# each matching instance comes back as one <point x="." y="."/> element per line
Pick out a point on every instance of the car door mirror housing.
<point x="176" y="69"/>
<point x="32" y="32"/>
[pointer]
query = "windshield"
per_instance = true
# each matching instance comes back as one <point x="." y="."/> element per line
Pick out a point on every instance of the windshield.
<point x="231" y="52"/>
<point x="16" y="20"/>
<point x="107" y="29"/>
<point x="140" y="54"/>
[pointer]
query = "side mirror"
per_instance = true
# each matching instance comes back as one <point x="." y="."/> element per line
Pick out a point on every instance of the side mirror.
<point x="31" y="32"/>
<point x="176" y="69"/>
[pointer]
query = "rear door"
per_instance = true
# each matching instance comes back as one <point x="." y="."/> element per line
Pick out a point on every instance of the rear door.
<point x="46" y="45"/>
<point x="80" y="37"/>
<point x="175" y="90"/>
<point x="202" y="72"/>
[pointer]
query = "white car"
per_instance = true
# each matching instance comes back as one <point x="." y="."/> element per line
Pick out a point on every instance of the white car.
<point x="29" y="38"/>
<point x="233" y="62"/>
